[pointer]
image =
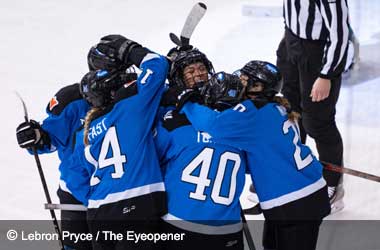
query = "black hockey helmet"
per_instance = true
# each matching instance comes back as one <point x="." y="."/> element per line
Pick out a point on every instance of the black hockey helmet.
<point x="183" y="58"/>
<point x="98" y="87"/>
<point x="223" y="91"/>
<point x="265" y="73"/>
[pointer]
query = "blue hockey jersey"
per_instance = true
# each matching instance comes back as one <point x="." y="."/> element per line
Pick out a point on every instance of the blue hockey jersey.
<point x="203" y="179"/>
<point x="66" y="112"/>
<point x="120" y="161"/>
<point x="282" y="169"/>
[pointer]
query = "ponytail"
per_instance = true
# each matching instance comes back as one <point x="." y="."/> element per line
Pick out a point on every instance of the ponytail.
<point x="292" y="115"/>
<point x="87" y="121"/>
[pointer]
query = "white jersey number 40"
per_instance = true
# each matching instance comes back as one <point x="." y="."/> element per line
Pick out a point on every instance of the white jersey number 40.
<point x="203" y="160"/>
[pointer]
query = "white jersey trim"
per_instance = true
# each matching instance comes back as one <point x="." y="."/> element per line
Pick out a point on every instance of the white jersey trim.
<point x="201" y="228"/>
<point x="63" y="186"/>
<point x="127" y="194"/>
<point x="296" y="195"/>
<point x="149" y="56"/>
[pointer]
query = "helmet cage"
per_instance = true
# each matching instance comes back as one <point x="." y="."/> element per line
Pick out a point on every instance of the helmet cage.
<point x="184" y="59"/>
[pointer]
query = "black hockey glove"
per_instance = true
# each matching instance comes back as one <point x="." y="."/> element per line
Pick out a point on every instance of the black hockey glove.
<point x="170" y="96"/>
<point x="98" y="60"/>
<point x="189" y="95"/>
<point x="173" y="52"/>
<point x="30" y="134"/>
<point x="117" y="47"/>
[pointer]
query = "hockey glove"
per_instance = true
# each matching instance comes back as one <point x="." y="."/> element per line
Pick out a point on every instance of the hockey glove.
<point x="97" y="60"/>
<point x="117" y="47"/>
<point x="173" y="52"/>
<point x="30" y="134"/>
<point x="188" y="95"/>
<point x="170" y="96"/>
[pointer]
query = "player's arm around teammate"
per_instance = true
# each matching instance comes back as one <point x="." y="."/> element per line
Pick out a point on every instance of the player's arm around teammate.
<point x="203" y="179"/>
<point x="287" y="176"/>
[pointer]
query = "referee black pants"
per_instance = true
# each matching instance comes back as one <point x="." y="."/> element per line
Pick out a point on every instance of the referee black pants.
<point x="300" y="62"/>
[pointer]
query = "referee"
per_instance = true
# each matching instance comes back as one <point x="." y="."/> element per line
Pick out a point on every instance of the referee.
<point x="311" y="57"/>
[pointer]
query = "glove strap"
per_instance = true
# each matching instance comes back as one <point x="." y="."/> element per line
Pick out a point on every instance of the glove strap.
<point x="127" y="45"/>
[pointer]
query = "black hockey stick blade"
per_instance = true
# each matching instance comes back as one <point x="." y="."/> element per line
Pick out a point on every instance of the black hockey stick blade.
<point x="192" y="20"/>
<point x="174" y="38"/>
<point x="24" y="106"/>
<point x="255" y="210"/>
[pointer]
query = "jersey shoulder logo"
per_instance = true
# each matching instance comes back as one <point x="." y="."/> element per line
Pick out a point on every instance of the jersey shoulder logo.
<point x="53" y="102"/>
<point x="204" y="137"/>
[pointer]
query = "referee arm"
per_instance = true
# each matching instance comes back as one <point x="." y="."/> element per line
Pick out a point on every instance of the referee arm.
<point x="335" y="18"/>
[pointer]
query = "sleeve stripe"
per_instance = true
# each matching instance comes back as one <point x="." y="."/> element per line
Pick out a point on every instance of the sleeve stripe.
<point x="338" y="42"/>
<point x="149" y="56"/>
<point x="344" y="30"/>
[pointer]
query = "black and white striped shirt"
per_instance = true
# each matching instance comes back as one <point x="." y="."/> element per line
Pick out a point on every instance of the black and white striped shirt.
<point x="321" y="20"/>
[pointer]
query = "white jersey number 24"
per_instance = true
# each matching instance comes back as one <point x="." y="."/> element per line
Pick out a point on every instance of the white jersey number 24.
<point x="110" y="142"/>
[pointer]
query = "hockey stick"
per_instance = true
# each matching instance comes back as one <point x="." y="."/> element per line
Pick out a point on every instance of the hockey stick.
<point x="247" y="232"/>
<point x="43" y="181"/>
<point x="192" y="20"/>
<point x="66" y="207"/>
<point x="344" y="170"/>
<point x="255" y="210"/>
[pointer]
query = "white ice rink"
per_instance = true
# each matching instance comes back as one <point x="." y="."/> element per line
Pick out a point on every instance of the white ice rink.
<point x="44" y="44"/>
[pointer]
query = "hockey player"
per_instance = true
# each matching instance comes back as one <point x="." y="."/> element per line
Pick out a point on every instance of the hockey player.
<point x="66" y="112"/>
<point x="203" y="179"/>
<point x="287" y="177"/>
<point x="188" y="65"/>
<point x="125" y="191"/>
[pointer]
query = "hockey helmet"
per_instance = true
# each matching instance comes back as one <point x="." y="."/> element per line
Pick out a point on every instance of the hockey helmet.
<point x="265" y="73"/>
<point x="98" y="87"/>
<point x="223" y="91"/>
<point x="182" y="59"/>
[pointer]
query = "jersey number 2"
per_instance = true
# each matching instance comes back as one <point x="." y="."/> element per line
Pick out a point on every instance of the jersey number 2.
<point x="202" y="181"/>
<point x="301" y="163"/>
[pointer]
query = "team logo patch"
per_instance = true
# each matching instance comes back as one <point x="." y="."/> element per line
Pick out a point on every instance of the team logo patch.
<point x="53" y="102"/>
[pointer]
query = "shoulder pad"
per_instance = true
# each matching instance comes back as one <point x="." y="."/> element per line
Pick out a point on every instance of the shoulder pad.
<point x="259" y="103"/>
<point x="173" y="120"/>
<point x="62" y="98"/>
